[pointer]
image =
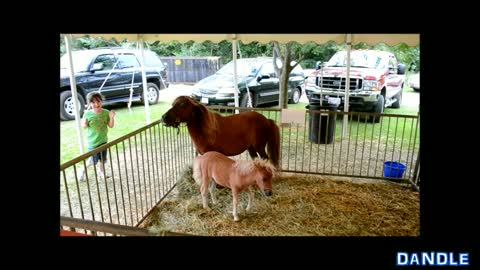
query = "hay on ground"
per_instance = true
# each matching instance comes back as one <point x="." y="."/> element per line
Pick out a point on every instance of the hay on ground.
<point x="300" y="206"/>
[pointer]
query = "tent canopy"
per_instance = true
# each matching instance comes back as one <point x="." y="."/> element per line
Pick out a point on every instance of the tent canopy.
<point x="370" y="39"/>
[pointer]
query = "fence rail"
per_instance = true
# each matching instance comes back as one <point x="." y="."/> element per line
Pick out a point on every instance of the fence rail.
<point x="95" y="228"/>
<point x="143" y="168"/>
<point x="361" y="152"/>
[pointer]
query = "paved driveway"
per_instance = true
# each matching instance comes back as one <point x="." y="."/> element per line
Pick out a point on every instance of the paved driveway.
<point x="173" y="91"/>
<point x="410" y="98"/>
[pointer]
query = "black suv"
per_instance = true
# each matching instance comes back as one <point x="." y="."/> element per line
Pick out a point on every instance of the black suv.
<point x="92" y="67"/>
<point x="255" y="74"/>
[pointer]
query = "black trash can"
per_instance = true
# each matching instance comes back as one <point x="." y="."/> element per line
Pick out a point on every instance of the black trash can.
<point x="321" y="123"/>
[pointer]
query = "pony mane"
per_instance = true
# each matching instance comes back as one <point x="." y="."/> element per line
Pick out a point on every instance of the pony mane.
<point x="208" y="122"/>
<point x="245" y="167"/>
<point x="265" y="165"/>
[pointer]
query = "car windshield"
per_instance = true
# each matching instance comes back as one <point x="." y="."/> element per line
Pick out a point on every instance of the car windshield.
<point x="357" y="59"/>
<point x="249" y="67"/>
<point x="245" y="67"/>
<point x="152" y="60"/>
<point x="81" y="60"/>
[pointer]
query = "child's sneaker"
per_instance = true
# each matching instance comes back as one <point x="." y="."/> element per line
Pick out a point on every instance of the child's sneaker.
<point x="100" y="173"/>
<point x="82" y="177"/>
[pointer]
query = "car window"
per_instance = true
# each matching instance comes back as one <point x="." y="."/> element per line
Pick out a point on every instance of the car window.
<point x="128" y="61"/>
<point x="81" y="60"/>
<point x="245" y="67"/>
<point x="392" y="63"/>
<point x="152" y="60"/>
<point x="267" y="69"/>
<point x="298" y="70"/>
<point x="357" y="59"/>
<point x="108" y="60"/>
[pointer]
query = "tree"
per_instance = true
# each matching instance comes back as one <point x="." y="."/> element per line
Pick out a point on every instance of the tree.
<point x="88" y="42"/>
<point x="284" y="55"/>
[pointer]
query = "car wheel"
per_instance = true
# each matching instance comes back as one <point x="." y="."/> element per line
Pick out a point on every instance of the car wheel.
<point x="295" y="96"/>
<point x="67" y="111"/>
<point x="152" y="94"/>
<point x="378" y="109"/>
<point x="244" y="101"/>
<point x="397" y="103"/>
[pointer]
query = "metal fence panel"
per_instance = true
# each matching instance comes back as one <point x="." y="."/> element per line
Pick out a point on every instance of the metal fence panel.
<point x="145" y="164"/>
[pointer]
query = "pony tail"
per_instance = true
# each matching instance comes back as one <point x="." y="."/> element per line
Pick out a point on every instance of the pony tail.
<point x="197" y="172"/>
<point x="273" y="144"/>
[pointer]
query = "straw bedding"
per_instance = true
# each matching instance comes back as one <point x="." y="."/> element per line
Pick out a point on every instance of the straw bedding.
<point x="301" y="205"/>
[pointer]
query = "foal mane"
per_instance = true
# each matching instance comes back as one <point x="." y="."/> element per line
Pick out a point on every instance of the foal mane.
<point x="245" y="167"/>
<point x="265" y="165"/>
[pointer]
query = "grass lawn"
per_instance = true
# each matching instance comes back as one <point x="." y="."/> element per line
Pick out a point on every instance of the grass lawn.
<point x="127" y="121"/>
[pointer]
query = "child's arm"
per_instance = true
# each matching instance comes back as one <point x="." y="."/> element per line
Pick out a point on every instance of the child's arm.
<point x="112" y="118"/>
<point x="84" y="123"/>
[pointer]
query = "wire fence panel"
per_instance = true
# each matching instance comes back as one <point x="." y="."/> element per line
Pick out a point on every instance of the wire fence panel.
<point x="143" y="166"/>
<point x="318" y="145"/>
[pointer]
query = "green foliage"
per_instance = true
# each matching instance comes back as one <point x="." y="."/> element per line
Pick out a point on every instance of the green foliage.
<point x="312" y="52"/>
<point x="307" y="54"/>
<point x="88" y="42"/>
<point x="254" y="49"/>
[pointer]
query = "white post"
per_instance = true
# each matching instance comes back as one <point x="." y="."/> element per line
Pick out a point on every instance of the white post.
<point x="235" y="83"/>
<point x="347" y="86"/>
<point x="144" y="82"/>
<point x="73" y="85"/>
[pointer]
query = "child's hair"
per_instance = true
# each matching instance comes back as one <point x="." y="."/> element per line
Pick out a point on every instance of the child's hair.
<point x="94" y="95"/>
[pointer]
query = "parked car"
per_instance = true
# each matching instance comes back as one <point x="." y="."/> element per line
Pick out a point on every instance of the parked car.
<point x="115" y="70"/>
<point x="376" y="81"/>
<point x="255" y="74"/>
<point x="414" y="81"/>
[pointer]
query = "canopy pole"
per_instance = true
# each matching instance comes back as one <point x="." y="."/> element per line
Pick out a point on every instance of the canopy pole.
<point x="347" y="87"/>
<point x="73" y="84"/>
<point x="234" y="57"/>
<point x="144" y="81"/>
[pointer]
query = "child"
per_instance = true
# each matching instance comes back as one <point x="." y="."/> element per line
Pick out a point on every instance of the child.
<point x="96" y="121"/>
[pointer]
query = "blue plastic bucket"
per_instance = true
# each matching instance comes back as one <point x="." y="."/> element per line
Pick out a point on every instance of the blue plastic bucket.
<point x="393" y="169"/>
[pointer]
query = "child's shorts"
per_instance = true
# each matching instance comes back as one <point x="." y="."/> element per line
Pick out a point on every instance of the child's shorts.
<point x="98" y="156"/>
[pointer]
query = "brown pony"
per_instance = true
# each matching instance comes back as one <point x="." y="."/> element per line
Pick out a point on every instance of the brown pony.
<point x="229" y="135"/>
<point x="236" y="175"/>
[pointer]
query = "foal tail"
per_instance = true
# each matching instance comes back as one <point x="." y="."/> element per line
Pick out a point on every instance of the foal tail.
<point x="197" y="172"/>
<point x="273" y="144"/>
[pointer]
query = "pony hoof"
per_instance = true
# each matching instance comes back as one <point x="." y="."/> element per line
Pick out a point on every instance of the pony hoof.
<point x="236" y="219"/>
